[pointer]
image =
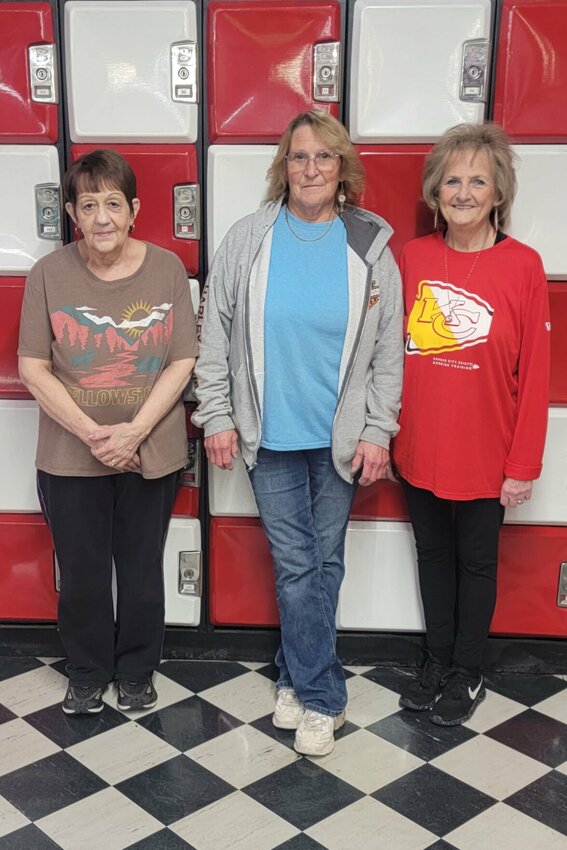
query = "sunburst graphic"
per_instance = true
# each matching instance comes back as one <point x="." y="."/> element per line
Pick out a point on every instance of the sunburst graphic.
<point x="135" y="313"/>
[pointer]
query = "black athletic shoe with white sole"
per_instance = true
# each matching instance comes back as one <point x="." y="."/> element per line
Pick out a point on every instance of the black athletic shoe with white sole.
<point x="83" y="699"/>
<point x="423" y="692"/>
<point x="133" y="696"/>
<point x="462" y="692"/>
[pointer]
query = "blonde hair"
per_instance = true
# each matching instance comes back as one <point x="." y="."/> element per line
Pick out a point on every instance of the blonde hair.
<point x="489" y="138"/>
<point x="334" y="136"/>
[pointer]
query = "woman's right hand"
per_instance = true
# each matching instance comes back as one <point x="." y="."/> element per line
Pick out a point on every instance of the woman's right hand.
<point x="222" y="448"/>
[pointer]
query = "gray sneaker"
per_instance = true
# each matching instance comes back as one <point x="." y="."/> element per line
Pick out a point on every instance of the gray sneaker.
<point x="83" y="699"/>
<point x="133" y="696"/>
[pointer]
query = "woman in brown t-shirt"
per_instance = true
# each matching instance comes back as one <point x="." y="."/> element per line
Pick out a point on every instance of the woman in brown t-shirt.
<point x="107" y="345"/>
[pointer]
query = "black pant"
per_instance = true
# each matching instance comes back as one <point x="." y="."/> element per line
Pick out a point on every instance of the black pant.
<point x="457" y="556"/>
<point x="93" y="521"/>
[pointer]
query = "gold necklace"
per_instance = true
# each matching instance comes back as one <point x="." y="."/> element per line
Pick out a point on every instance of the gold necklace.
<point x="474" y="262"/>
<point x="302" y="238"/>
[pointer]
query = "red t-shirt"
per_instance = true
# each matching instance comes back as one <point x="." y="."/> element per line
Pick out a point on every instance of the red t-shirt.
<point x="476" y="380"/>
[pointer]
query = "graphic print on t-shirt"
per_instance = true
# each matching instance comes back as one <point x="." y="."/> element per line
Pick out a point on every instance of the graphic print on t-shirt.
<point x="445" y="318"/>
<point x="106" y="353"/>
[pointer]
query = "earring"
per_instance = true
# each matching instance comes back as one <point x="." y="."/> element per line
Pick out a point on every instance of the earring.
<point x="132" y="228"/>
<point x="435" y="220"/>
<point x="341" y="198"/>
<point x="78" y="232"/>
<point x="496" y="219"/>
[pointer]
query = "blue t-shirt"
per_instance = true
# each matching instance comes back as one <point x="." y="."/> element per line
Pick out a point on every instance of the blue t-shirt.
<point x="305" y="320"/>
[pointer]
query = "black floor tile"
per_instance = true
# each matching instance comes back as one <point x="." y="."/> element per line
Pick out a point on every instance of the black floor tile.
<point x="412" y="731"/>
<point x="441" y="845"/>
<point x="164" y="840"/>
<point x="188" y="723"/>
<point x="69" y="729"/>
<point x="174" y="789"/>
<point x="535" y="735"/>
<point x="200" y="675"/>
<point x="545" y="800"/>
<point x="14" y="666"/>
<point x="392" y="678"/>
<point x="526" y="689"/>
<point x="28" y="838"/>
<point x="301" y="842"/>
<point x="48" y="785"/>
<point x="270" y="671"/>
<point x="60" y="666"/>
<point x="287" y="736"/>
<point x="6" y="714"/>
<point x="433" y="799"/>
<point x="303" y="793"/>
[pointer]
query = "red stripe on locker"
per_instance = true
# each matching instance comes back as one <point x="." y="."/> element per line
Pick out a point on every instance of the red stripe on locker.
<point x="158" y="169"/>
<point x="11" y="295"/>
<point x="558" y="309"/>
<point x="382" y="500"/>
<point x="27" y="574"/>
<point x="242" y="585"/>
<point x="260" y="65"/>
<point x="528" y="581"/>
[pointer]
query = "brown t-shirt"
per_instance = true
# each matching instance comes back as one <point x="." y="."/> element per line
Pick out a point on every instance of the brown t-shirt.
<point x="109" y="341"/>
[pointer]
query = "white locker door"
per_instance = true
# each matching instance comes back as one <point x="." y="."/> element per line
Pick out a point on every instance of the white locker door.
<point x="538" y="214"/>
<point x="182" y="572"/>
<point x="19" y="422"/>
<point x="131" y="70"/>
<point x="230" y="491"/>
<point x="548" y="504"/>
<point x="381" y="589"/>
<point x="236" y="185"/>
<point x="418" y="67"/>
<point x="30" y="211"/>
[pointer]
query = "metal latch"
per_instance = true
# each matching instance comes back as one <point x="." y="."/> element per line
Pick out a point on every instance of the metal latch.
<point x="184" y="65"/>
<point x="43" y="73"/>
<point x="327" y="71"/>
<point x="56" y="574"/>
<point x="191" y="472"/>
<point x="474" y="76"/>
<point x="48" y="210"/>
<point x="190" y="573"/>
<point x="186" y="211"/>
<point x="562" y="589"/>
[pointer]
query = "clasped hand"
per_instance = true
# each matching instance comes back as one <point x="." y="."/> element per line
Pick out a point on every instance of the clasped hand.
<point x="116" y="446"/>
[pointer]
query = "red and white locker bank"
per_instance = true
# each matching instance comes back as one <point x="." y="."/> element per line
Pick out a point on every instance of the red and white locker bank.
<point x="195" y="94"/>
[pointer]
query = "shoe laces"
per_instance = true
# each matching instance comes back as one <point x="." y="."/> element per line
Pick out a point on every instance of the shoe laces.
<point x="287" y="696"/>
<point x="457" y="684"/>
<point x="432" y="671"/>
<point x="84" y="691"/>
<point x="133" y="689"/>
<point x="315" y="720"/>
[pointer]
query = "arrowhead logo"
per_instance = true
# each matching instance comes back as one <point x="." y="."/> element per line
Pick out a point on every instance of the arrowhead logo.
<point x="445" y="318"/>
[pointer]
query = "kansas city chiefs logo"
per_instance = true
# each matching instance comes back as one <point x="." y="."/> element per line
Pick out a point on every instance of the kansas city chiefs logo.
<point x="444" y="318"/>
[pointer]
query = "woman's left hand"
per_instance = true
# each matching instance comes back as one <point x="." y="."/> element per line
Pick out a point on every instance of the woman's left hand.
<point x="514" y="492"/>
<point x="116" y="445"/>
<point x="375" y="463"/>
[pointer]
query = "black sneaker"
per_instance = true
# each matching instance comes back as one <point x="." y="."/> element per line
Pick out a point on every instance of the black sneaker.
<point x="462" y="692"/>
<point x="423" y="692"/>
<point x="83" y="699"/>
<point x="136" y="695"/>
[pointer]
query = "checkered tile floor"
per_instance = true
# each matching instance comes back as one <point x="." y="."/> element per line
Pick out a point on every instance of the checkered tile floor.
<point x="207" y="770"/>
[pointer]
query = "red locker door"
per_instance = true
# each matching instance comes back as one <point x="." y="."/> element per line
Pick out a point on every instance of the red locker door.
<point x="392" y="189"/>
<point x="27" y="575"/>
<point x="11" y="295"/>
<point x="187" y="499"/>
<point x="29" y="81"/>
<point x="528" y="581"/>
<point x="558" y="308"/>
<point x="242" y="587"/>
<point x="168" y="190"/>
<point x="268" y="60"/>
<point x="531" y="70"/>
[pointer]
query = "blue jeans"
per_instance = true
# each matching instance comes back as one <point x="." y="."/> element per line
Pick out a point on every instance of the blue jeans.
<point x="304" y="506"/>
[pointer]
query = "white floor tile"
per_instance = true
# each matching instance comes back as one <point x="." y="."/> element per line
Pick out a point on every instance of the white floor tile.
<point x="369" y="825"/>
<point x="253" y="665"/>
<point x="104" y="821"/>
<point x="49" y="660"/>
<point x="504" y="828"/>
<point x="235" y="822"/>
<point x="369" y="702"/>
<point x="10" y="818"/>
<point x="243" y="755"/>
<point x="490" y="766"/>
<point x="33" y="690"/>
<point x="21" y="744"/>
<point x="494" y="710"/>
<point x="358" y="670"/>
<point x="555" y="706"/>
<point x="122" y="752"/>
<point x="169" y="692"/>
<point x="247" y="697"/>
<point x="368" y="762"/>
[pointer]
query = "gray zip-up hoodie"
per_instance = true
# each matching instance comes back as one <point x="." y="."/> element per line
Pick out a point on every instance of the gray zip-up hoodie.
<point x="230" y="369"/>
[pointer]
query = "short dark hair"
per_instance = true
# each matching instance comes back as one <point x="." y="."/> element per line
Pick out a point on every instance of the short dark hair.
<point x="93" y="171"/>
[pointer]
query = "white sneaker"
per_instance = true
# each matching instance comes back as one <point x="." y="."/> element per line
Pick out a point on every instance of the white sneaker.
<point x="288" y="711"/>
<point x="315" y="734"/>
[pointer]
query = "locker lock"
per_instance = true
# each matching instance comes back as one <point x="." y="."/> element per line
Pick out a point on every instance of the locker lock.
<point x="190" y="574"/>
<point x="184" y="71"/>
<point x="48" y="211"/>
<point x="562" y="590"/>
<point x="474" y="73"/>
<point x="191" y="472"/>
<point x="186" y="211"/>
<point x="42" y="65"/>
<point x="327" y="72"/>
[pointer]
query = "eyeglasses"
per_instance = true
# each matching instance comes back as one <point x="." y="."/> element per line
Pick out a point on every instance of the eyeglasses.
<point x="324" y="160"/>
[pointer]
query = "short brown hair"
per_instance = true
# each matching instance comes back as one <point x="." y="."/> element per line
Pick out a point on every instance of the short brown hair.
<point x="92" y="171"/>
<point x="489" y="138"/>
<point x="334" y="135"/>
